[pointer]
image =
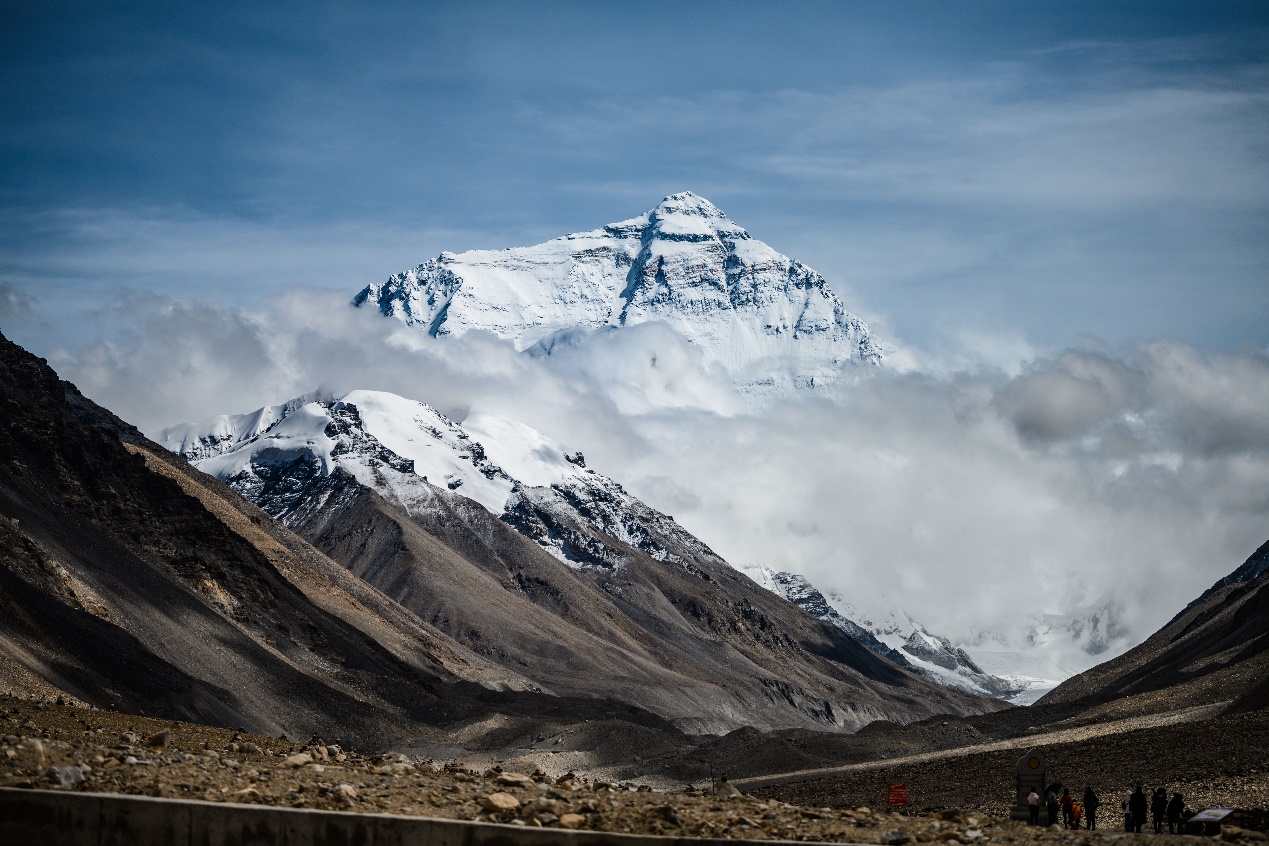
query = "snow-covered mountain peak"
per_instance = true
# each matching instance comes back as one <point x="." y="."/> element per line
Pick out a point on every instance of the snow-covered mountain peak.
<point x="773" y="322"/>
<point x="688" y="217"/>
<point x="285" y="457"/>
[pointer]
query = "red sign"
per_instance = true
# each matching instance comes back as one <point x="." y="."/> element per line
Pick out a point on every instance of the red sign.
<point x="898" y="796"/>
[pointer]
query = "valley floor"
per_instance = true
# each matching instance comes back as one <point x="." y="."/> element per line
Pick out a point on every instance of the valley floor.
<point x="1213" y="761"/>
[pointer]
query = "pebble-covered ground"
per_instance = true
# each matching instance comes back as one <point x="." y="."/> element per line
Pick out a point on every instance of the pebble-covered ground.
<point x="59" y="746"/>
<point x="1221" y="762"/>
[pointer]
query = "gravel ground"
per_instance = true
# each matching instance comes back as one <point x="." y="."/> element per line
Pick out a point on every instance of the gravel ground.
<point x="1221" y="762"/>
<point x="50" y="745"/>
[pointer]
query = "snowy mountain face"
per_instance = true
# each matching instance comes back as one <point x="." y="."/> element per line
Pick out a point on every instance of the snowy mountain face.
<point x="283" y="458"/>
<point x="773" y="322"/>
<point x="895" y="637"/>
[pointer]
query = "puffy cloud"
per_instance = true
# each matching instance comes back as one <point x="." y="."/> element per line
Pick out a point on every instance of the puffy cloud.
<point x="966" y="496"/>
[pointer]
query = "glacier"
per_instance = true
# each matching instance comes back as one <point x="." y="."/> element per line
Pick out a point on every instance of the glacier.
<point x="771" y="321"/>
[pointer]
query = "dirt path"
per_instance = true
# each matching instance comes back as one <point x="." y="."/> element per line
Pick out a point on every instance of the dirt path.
<point x="1069" y="735"/>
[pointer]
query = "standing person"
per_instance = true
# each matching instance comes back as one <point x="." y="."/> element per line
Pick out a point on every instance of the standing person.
<point x="1175" y="807"/>
<point x="1067" y="810"/>
<point x="1033" y="807"/>
<point x="1076" y="810"/>
<point x="1159" y="808"/>
<point x="1090" y="807"/>
<point x="1051" y="802"/>
<point x="1127" y="806"/>
<point x="1139" y="807"/>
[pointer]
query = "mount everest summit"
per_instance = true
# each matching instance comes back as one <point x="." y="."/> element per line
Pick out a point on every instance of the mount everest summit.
<point x="771" y="321"/>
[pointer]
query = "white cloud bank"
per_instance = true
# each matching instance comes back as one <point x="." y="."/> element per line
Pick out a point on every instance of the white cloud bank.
<point x="966" y="496"/>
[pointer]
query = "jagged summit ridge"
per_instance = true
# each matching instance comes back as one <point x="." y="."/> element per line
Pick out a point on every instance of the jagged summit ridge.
<point x="770" y="320"/>
<point x="284" y="457"/>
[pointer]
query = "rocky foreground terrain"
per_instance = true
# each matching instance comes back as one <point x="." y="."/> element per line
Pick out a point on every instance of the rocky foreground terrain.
<point x="48" y="745"/>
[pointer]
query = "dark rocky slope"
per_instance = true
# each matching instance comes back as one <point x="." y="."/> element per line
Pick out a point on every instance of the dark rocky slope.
<point x="1216" y="650"/>
<point x="129" y="580"/>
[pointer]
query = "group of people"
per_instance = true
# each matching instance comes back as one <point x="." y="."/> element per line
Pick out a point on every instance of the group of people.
<point x="1137" y="808"/>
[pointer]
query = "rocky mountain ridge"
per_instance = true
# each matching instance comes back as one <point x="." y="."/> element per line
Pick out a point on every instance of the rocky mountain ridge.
<point x="507" y="542"/>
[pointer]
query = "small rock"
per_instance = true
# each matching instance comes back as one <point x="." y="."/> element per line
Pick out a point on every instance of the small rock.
<point x="546" y="819"/>
<point x="572" y="821"/>
<point x="971" y="835"/>
<point x="130" y="759"/>
<point x="333" y="750"/>
<point x="251" y="748"/>
<point x="395" y="769"/>
<point x="160" y="740"/>
<point x="895" y="838"/>
<point x="949" y="813"/>
<point x="346" y="790"/>
<point x="129" y="738"/>
<point x="30" y="725"/>
<point x="65" y="776"/>
<point x="299" y="759"/>
<point x="247" y="791"/>
<point x="539" y="806"/>
<point x="500" y="802"/>
<point x="514" y="780"/>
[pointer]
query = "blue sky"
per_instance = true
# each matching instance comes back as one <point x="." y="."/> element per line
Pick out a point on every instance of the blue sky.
<point x="1004" y="172"/>
<point x="190" y="194"/>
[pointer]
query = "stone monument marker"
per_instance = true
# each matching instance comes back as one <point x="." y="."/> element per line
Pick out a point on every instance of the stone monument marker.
<point x="1031" y="771"/>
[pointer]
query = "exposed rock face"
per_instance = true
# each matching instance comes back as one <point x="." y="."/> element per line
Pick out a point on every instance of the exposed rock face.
<point x="506" y="542"/>
<point x="771" y="321"/>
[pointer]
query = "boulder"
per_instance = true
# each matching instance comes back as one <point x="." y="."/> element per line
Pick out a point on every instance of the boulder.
<point x="500" y="802"/>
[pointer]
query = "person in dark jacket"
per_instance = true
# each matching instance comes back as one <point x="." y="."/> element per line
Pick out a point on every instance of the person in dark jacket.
<point x="1174" y="809"/>
<point x="1139" y="808"/>
<point x="1090" y="807"/>
<point x="1051" y="804"/>
<point x="1159" y="808"/>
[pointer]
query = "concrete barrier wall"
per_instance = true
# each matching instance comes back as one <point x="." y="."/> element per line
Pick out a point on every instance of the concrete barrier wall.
<point x="61" y="818"/>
